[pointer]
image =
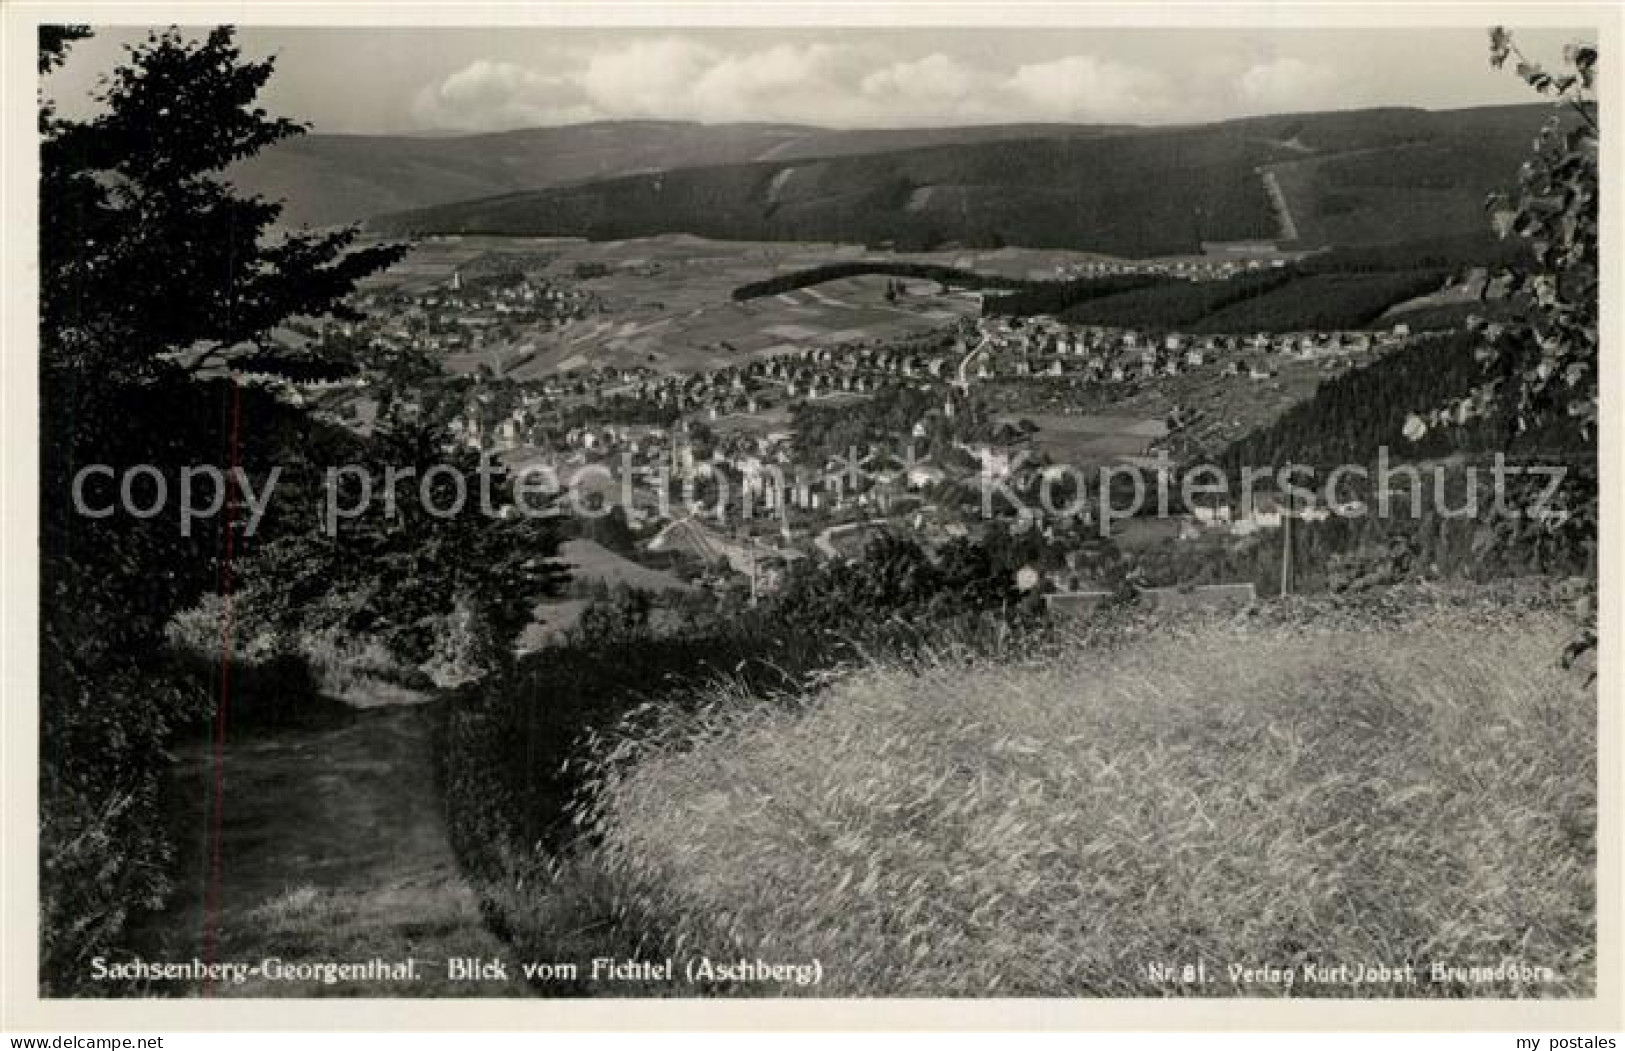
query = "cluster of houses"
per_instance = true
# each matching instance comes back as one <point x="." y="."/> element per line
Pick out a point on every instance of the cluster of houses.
<point x="1107" y="354"/>
<point x="803" y="374"/>
<point x="1202" y="268"/>
<point x="1256" y="513"/>
<point x="814" y="372"/>
<point x="742" y="502"/>
<point x="528" y="297"/>
<point x="463" y="317"/>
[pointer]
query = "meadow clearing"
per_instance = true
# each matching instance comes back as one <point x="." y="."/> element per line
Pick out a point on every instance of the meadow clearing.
<point x="1300" y="787"/>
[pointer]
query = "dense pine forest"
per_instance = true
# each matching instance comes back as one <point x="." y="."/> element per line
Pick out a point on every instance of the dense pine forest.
<point x="1351" y="417"/>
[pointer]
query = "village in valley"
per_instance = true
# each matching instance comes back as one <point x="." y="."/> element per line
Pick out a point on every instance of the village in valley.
<point x="729" y="439"/>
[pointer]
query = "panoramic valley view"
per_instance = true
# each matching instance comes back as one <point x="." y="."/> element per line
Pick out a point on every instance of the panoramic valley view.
<point x="735" y="514"/>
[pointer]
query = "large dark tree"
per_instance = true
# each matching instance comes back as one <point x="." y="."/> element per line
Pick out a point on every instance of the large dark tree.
<point x="146" y="250"/>
<point x="154" y="272"/>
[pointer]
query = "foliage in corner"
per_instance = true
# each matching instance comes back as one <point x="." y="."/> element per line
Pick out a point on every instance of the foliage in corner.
<point x="151" y="268"/>
<point x="1543" y="362"/>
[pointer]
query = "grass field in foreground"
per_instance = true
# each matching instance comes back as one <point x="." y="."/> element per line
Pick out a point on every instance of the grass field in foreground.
<point x="1265" y="797"/>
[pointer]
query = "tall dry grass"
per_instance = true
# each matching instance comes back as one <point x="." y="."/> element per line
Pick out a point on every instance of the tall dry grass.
<point x="1259" y="794"/>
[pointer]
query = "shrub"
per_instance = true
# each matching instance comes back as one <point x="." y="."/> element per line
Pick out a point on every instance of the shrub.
<point x="103" y="854"/>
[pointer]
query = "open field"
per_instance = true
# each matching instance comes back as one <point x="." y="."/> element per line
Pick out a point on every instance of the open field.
<point x="1090" y="439"/>
<point x="551" y="621"/>
<point x="1223" y="408"/>
<point x="715" y="334"/>
<point x="706" y="262"/>
<point x="1414" y="789"/>
<point x="590" y="562"/>
<point x="669" y="300"/>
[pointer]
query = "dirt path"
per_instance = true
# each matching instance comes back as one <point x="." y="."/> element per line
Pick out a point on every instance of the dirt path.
<point x="333" y="850"/>
<point x="1288" y="231"/>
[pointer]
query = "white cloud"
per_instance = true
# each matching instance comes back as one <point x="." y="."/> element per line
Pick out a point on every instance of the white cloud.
<point x="935" y="77"/>
<point x="491" y="96"/>
<point x="863" y="84"/>
<point x="1286" y="84"/>
<point x="1084" y="87"/>
<point x="786" y="82"/>
<point x="645" y="78"/>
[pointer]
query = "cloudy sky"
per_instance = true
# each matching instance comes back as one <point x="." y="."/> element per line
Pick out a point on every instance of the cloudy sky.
<point x="469" y="80"/>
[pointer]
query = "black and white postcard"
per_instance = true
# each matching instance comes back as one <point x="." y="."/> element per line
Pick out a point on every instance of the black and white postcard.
<point x="1073" y="512"/>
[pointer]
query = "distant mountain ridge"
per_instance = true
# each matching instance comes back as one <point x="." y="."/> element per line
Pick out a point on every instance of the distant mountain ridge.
<point x="1385" y="176"/>
<point x="328" y="179"/>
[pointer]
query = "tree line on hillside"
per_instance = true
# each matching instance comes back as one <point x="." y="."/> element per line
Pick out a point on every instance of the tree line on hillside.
<point x="1056" y="297"/>
<point x="1324" y="302"/>
<point x="1306" y="296"/>
<point x="1351" y="416"/>
<point x="1481" y="248"/>
<point x="1347" y="287"/>
<point x="1175" y="304"/>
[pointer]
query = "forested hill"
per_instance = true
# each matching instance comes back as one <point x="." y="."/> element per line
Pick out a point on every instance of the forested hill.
<point x="1351" y="417"/>
<point x="330" y="179"/>
<point x="1131" y="194"/>
<point x="1372" y="176"/>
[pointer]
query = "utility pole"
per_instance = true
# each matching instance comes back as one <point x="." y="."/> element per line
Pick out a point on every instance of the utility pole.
<point x="1286" y="542"/>
<point x="750" y="545"/>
